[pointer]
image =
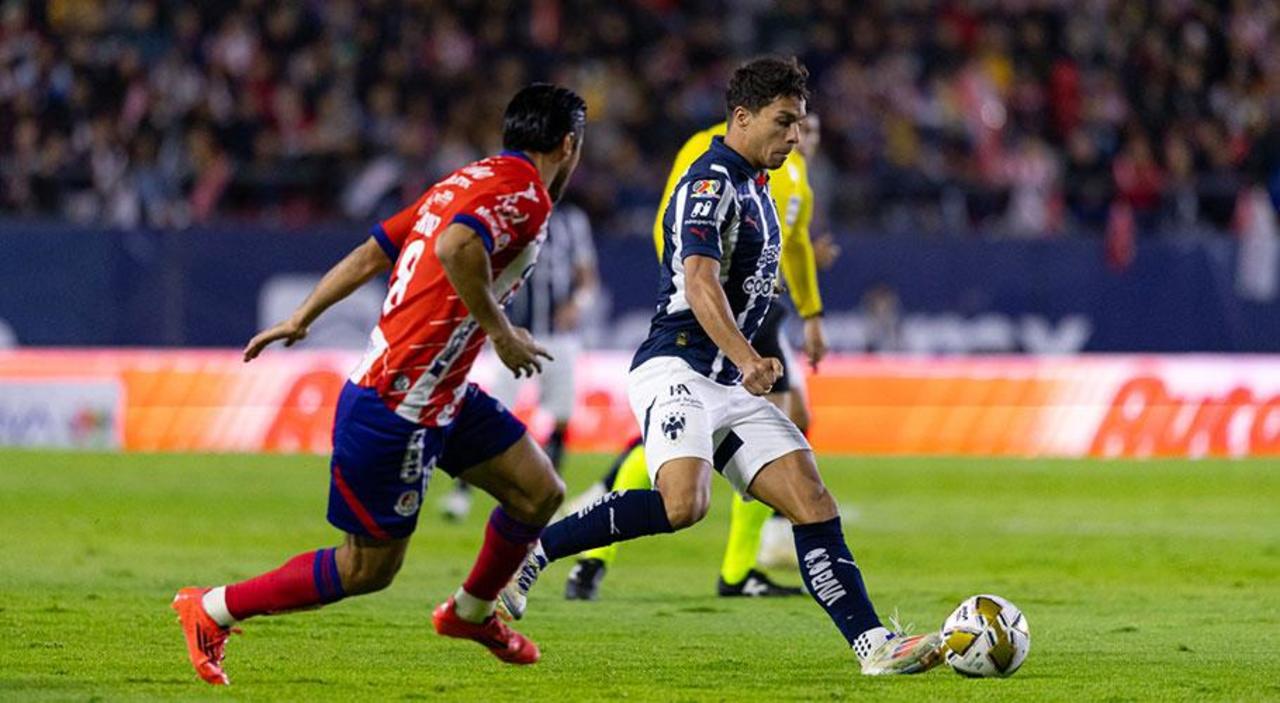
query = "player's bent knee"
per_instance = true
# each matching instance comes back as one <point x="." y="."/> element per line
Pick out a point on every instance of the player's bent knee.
<point x="551" y="497"/>
<point x="537" y="504"/>
<point x="687" y="510"/>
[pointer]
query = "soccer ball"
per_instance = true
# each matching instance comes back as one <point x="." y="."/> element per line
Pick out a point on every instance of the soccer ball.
<point x="986" y="636"/>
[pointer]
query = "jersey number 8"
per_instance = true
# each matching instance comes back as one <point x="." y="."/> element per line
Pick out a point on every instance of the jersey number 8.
<point x="404" y="273"/>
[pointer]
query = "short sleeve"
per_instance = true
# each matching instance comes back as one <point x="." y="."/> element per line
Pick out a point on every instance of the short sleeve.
<point x="703" y="207"/>
<point x="392" y="232"/>
<point x="482" y="229"/>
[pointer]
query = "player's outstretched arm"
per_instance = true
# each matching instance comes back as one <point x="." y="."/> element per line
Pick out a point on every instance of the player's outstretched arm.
<point x="711" y="308"/>
<point x="466" y="263"/>
<point x="355" y="269"/>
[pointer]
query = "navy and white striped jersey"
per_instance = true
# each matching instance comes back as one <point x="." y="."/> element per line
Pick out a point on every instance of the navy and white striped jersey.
<point x="551" y="284"/>
<point x="721" y="208"/>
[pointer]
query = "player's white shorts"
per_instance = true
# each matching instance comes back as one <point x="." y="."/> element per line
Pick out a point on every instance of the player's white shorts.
<point x="555" y="383"/>
<point x="685" y="414"/>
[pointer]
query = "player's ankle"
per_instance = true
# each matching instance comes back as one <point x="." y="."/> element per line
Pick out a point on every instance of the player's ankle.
<point x="869" y="641"/>
<point x="214" y="603"/>
<point x="471" y="608"/>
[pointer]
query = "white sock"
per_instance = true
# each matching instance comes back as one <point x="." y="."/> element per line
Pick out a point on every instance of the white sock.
<point x="472" y="609"/>
<point x="869" y="641"/>
<point x="215" y="604"/>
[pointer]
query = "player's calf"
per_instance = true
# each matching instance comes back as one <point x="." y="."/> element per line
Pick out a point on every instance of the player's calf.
<point x="366" y="565"/>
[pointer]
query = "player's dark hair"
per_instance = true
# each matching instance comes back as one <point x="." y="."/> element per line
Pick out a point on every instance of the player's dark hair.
<point x="759" y="82"/>
<point x="539" y="116"/>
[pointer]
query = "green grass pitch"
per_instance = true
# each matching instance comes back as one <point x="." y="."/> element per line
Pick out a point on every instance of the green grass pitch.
<point x="1140" y="580"/>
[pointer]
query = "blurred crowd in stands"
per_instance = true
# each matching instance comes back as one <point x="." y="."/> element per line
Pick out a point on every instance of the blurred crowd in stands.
<point x="1010" y="117"/>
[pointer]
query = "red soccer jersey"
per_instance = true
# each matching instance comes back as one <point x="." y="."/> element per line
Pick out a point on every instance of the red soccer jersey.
<point x="426" y="340"/>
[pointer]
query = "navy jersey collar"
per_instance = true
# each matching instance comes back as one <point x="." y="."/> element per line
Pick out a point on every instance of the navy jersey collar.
<point x="517" y="154"/>
<point x="737" y="161"/>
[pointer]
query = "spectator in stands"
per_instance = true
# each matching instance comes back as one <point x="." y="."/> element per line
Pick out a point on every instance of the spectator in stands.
<point x="958" y="117"/>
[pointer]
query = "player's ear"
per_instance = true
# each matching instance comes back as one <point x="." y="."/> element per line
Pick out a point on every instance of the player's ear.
<point x="567" y="145"/>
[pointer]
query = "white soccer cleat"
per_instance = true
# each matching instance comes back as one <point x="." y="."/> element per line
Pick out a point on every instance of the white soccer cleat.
<point x="515" y="596"/>
<point x="777" y="544"/>
<point x="885" y="653"/>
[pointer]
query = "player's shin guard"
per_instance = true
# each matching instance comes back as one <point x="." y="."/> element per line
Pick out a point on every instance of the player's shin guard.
<point x="307" y="580"/>
<point x="615" y="517"/>
<point x="833" y="579"/>
<point x="506" y="544"/>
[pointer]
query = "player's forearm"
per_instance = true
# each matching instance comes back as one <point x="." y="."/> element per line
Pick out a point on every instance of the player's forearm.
<point x="467" y="268"/>
<point x="711" y="308"/>
<point x="363" y="263"/>
<point x="800" y="270"/>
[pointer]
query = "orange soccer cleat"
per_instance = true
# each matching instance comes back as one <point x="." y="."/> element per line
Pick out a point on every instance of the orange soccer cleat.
<point x="205" y="638"/>
<point x="505" y="643"/>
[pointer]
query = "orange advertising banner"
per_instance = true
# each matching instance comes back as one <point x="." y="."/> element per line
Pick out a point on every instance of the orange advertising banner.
<point x="1104" y="406"/>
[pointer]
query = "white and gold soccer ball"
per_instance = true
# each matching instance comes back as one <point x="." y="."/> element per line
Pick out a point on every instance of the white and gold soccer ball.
<point x="986" y="636"/>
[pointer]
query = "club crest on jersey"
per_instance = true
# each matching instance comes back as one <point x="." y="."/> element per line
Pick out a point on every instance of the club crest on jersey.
<point x="673" y="426"/>
<point x="708" y="188"/>
<point x="407" y="504"/>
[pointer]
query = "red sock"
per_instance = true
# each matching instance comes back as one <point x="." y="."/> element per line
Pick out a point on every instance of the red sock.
<point x="506" y="544"/>
<point x="305" y="580"/>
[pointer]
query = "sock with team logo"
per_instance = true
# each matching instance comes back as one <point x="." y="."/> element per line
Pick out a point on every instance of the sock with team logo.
<point x="833" y="579"/>
<point x="614" y="517"/>
<point x="629" y="473"/>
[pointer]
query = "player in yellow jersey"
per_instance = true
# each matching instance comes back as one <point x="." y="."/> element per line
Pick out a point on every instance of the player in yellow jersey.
<point x="793" y="196"/>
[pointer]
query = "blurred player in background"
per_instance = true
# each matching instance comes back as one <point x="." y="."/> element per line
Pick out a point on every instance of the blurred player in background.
<point x="696" y="384"/>
<point x="459" y="252"/>
<point x="754" y="537"/>
<point x="550" y="305"/>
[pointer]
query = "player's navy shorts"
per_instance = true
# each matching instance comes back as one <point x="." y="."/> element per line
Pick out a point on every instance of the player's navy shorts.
<point x="768" y="343"/>
<point x="382" y="462"/>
